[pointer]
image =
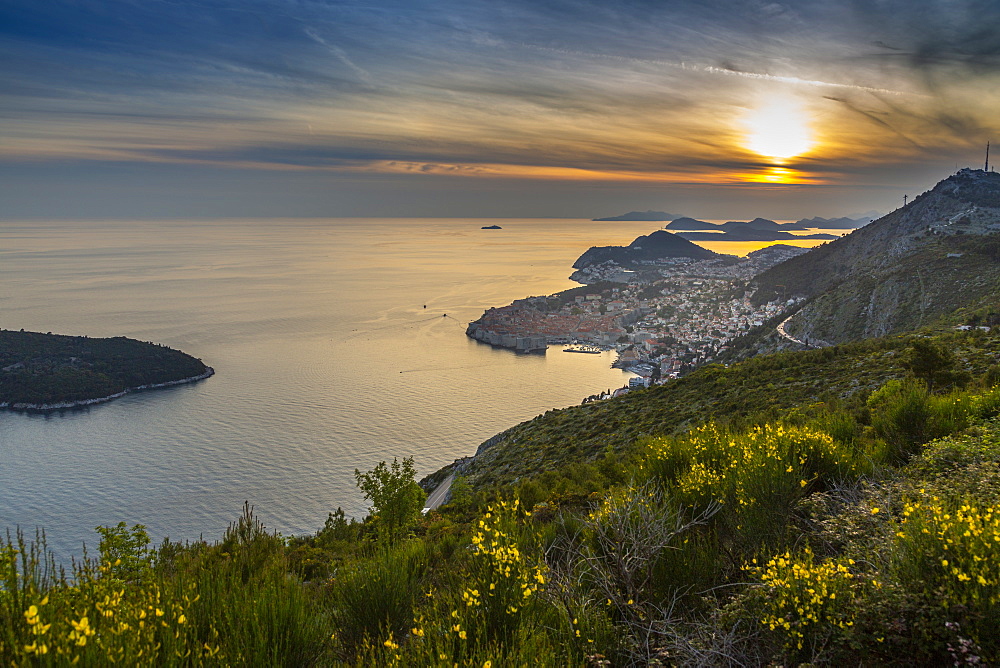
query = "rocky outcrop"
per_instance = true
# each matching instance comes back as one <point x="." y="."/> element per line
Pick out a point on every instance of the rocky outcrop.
<point x="521" y="344"/>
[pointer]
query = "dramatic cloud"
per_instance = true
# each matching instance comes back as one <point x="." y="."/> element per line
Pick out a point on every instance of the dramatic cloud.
<point x="453" y="95"/>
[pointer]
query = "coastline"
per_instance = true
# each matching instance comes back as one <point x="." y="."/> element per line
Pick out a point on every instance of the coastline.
<point x="21" y="406"/>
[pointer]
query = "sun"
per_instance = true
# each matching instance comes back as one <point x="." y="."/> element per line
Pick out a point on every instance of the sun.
<point x="778" y="129"/>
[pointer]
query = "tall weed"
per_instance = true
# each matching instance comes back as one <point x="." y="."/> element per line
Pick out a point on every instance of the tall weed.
<point x="374" y="598"/>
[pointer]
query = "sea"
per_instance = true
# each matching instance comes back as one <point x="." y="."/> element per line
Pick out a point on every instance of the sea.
<point x="337" y="344"/>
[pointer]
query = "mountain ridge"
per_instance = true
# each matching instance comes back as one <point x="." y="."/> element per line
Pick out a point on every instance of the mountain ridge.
<point x="862" y="285"/>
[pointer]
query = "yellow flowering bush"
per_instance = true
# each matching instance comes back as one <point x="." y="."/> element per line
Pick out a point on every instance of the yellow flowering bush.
<point x="747" y="468"/>
<point x="97" y="621"/>
<point x="950" y="550"/>
<point x="506" y="576"/>
<point x="804" y="598"/>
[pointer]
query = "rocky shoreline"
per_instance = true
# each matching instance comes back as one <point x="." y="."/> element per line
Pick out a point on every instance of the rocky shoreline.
<point x="22" y="406"/>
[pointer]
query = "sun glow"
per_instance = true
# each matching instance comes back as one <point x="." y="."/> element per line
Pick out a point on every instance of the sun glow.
<point x="779" y="130"/>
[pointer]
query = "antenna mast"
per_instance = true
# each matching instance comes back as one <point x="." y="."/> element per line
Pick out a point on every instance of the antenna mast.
<point x="987" y="167"/>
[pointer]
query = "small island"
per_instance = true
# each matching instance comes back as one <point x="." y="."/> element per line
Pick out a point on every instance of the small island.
<point x="654" y="216"/>
<point x="51" y="371"/>
<point x="761" y="229"/>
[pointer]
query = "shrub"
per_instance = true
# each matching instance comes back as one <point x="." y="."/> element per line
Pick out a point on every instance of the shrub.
<point x="756" y="474"/>
<point x="395" y="497"/>
<point x="505" y="575"/>
<point x="899" y="417"/>
<point x="373" y="598"/>
<point x="906" y="415"/>
<point x="125" y="552"/>
<point x="94" y="617"/>
<point x="805" y="602"/>
<point x="949" y="550"/>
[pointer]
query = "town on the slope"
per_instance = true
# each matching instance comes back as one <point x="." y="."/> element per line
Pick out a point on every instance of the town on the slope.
<point x="663" y="319"/>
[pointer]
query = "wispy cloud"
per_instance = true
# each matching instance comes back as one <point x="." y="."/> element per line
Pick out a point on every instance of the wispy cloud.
<point x="541" y="89"/>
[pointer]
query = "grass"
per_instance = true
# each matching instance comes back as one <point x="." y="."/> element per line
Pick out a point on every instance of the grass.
<point x="861" y="529"/>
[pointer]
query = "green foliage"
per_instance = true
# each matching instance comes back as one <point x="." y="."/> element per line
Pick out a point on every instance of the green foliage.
<point x="805" y="602"/>
<point x="906" y="415"/>
<point x="337" y="529"/>
<point x="47" y="368"/>
<point x="268" y="619"/>
<point x="752" y="392"/>
<point x="946" y="550"/>
<point x="980" y="445"/>
<point x="248" y="545"/>
<point x="505" y="575"/>
<point x="395" y="497"/>
<point x="756" y="475"/>
<point x="900" y="416"/>
<point x="373" y="597"/>
<point x="93" y="617"/>
<point x="932" y="363"/>
<point x="125" y="552"/>
<point x="830" y="528"/>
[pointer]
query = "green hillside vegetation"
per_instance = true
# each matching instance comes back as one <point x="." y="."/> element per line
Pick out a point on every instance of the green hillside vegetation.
<point x="857" y="524"/>
<point x="746" y="393"/>
<point x="40" y="368"/>
<point x="894" y="302"/>
<point x="901" y="272"/>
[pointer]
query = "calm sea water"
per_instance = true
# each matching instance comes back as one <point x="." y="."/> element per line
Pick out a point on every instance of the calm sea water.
<point x="327" y="360"/>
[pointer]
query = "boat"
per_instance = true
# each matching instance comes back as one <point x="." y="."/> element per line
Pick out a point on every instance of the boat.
<point x="591" y="350"/>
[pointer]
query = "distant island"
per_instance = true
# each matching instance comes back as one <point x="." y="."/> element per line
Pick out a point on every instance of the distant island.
<point x="751" y="234"/>
<point x="50" y="371"/>
<point x="839" y="223"/>
<point x="491" y="227"/>
<point x="654" y="216"/>
<point x="759" y="229"/>
<point x="689" y="224"/>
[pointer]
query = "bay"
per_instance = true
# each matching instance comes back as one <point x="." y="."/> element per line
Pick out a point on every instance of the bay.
<point x="337" y="344"/>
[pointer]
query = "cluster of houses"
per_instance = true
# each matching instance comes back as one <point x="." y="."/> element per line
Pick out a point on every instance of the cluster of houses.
<point x="660" y="330"/>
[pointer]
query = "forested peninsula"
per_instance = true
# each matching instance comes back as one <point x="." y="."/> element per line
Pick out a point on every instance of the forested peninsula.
<point x="49" y="371"/>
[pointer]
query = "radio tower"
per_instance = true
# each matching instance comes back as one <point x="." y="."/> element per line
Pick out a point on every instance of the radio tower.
<point x="986" y="168"/>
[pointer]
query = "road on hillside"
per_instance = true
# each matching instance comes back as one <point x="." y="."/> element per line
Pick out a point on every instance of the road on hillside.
<point x="440" y="493"/>
<point x="781" y="330"/>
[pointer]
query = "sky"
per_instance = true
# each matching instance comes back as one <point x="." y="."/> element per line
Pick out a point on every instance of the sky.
<point x="497" y="108"/>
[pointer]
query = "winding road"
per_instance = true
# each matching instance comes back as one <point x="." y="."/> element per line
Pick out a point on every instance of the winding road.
<point x="782" y="332"/>
<point x="438" y="496"/>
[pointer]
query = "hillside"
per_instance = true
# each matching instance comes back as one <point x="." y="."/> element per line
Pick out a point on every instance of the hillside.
<point x="645" y="249"/>
<point x="38" y="370"/>
<point x="753" y="389"/>
<point x="903" y="271"/>
<point x="757" y="527"/>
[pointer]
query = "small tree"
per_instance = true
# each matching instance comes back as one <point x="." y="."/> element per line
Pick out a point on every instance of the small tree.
<point x="395" y="497"/>
<point x="934" y="364"/>
<point x="125" y="552"/>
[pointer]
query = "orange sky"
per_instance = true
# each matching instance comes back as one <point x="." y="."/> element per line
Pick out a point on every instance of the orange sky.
<point x="506" y="108"/>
